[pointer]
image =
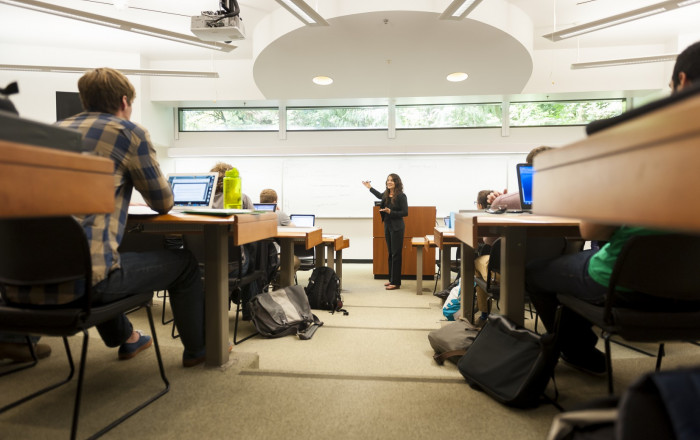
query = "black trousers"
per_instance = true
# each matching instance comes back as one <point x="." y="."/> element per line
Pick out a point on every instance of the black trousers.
<point x="394" y="244"/>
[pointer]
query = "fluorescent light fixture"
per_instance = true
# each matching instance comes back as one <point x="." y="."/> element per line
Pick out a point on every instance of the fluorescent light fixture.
<point x="614" y="20"/>
<point x="303" y="12"/>
<point x="101" y="20"/>
<point x="140" y="72"/>
<point x="625" y="61"/>
<point x="322" y="80"/>
<point x="459" y="9"/>
<point x="457" y="76"/>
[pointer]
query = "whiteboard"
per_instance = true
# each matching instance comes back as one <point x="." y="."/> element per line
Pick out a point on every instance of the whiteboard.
<point x="331" y="186"/>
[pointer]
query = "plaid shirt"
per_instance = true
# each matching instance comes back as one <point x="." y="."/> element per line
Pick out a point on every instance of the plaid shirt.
<point x="135" y="166"/>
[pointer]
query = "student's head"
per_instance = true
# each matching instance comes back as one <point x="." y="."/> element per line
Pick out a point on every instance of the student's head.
<point x="481" y="198"/>
<point x="221" y="168"/>
<point x="534" y="152"/>
<point x="687" y="68"/>
<point x="268" y="196"/>
<point x="105" y="90"/>
<point x="393" y="181"/>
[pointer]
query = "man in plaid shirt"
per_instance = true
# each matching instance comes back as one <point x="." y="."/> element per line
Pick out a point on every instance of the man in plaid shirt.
<point x="107" y="96"/>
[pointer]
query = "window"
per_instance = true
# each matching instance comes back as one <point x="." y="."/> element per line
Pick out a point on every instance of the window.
<point x="524" y="114"/>
<point x="228" y="119"/>
<point x="337" y="118"/>
<point x="448" y="116"/>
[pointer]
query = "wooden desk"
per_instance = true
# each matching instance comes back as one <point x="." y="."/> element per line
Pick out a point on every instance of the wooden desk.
<point x="334" y="245"/>
<point x="244" y="228"/>
<point x="43" y="182"/>
<point x="640" y="172"/>
<point x="514" y="230"/>
<point x="287" y="236"/>
<point x="445" y="239"/>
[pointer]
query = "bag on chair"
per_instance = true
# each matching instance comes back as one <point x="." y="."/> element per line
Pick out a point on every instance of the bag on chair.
<point x="451" y="341"/>
<point x="510" y="363"/>
<point x="284" y="312"/>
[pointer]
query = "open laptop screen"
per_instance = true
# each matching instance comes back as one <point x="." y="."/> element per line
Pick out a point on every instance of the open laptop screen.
<point x="303" y="220"/>
<point x="525" y="175"/>
<point x="265" y="206"/>
<point x="193" y="189"/>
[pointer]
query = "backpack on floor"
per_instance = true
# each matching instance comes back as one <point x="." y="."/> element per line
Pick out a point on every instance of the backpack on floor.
<point x="323" y="290"/>
<point x="451" y="341"/>
<point x="284" y="312"/>
<point x="510" y="363"/>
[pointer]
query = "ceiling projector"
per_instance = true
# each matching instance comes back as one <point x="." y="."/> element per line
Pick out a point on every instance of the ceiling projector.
<point x="213" y="26"/>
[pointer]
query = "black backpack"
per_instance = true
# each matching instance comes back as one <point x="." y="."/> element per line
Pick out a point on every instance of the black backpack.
<point x="323" y="290"/>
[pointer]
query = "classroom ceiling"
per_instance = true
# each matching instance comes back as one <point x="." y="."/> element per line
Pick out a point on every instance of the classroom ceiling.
<point x="384" y="48"/>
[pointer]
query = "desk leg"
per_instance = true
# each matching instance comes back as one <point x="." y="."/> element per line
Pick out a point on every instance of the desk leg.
<point x="216" y="294"/>
<point x="513" y="274"/>
<point x="286" y="262"/>
<point x="419" y="270"/>
<point x="320" y="259"/>
<point x="445" y="263"/>
<point x="467" y="274"/>
<point x="329" y="256"/>
<point x="339" y="266"/>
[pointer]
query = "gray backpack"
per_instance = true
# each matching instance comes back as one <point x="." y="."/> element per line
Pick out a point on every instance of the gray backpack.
<point x="284" y="312"/>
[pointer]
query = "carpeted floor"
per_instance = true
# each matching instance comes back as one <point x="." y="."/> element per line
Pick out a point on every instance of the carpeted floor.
<point x="368" y="375"/>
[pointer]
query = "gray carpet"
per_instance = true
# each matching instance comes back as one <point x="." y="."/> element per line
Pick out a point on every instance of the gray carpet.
<point x="368" y="375"/>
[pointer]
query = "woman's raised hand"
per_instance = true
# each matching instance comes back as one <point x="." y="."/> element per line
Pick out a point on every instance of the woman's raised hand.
<point x="367" y="183"/>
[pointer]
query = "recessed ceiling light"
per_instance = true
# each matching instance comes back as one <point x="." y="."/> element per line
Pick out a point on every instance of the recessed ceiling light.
<point x="457" y="76"/>
<point x="322" y="80"/>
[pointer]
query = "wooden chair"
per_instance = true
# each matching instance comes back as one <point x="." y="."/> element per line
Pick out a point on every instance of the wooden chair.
<point x="51" y="256"/>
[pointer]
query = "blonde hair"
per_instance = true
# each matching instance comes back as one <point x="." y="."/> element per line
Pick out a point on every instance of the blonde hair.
<point x="268" y="196"/>
<point x="102" y="89"/>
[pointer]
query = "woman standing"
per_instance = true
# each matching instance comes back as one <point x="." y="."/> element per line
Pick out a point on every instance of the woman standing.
<point x="393" y="209"/>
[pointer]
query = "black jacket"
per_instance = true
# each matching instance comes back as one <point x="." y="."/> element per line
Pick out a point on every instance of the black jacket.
<point x="399" y="210"/>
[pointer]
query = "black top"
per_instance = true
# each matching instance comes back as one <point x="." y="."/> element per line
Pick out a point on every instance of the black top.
<point x="399" y="210"/>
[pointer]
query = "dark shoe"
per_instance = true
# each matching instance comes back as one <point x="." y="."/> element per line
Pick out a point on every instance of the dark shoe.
<point x="591" y="362"/>
<point x="392" y="287"/>
<point x="189" y="362"/>
<point x="480" y="322"/>
<point x="131" y="349"/>
<point x="19" y="352"/>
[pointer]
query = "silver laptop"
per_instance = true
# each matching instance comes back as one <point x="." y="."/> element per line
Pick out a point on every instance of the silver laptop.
<point x="193" y="190"/>
<point x="265" y="206"/>
<point x="303" y="220"/>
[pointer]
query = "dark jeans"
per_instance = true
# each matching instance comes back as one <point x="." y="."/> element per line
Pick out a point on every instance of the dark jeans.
<point x="173" y="270"/>
<point x="566" y="275"/>
<point x="394" y="244"/>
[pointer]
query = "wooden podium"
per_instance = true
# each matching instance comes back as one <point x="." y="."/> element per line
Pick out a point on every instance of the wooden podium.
<point x="419" y="223"/>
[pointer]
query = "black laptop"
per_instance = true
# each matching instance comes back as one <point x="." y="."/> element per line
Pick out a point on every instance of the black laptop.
<point x="525" y="175"/>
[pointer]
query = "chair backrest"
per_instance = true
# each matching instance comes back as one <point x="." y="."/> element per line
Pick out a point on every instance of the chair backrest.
<point x="664" y="266"/>
<point x="60" y="273"/>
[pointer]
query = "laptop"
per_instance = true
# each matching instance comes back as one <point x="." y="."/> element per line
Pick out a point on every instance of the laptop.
<point x="193" y="190"/>
<point x="303" y="220"/>
<point x="525" y="175"/>
<point x="265" y="206"/>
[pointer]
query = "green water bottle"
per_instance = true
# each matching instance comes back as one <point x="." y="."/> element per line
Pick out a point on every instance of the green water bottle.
<point x="232" y="190"/>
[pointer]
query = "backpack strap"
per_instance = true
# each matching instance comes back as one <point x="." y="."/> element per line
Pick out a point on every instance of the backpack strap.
<point x="441" y="357"/>
<point x="309" y="331"/>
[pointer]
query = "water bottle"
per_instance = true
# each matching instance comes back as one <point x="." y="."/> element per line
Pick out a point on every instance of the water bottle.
<point x="232" y="190"/>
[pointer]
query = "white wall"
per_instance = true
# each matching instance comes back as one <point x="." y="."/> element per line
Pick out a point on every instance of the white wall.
<point x="157" y="99"/>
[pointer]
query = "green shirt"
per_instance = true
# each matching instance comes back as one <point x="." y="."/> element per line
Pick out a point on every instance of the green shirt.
<point x="601" y="264"/>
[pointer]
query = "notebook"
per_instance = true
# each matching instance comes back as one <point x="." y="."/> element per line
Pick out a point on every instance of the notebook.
<point x="193" y="190"/>
<point x="525" y="175"/>
<point x="265" y="206"/>
<point x="303" y="220"/>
